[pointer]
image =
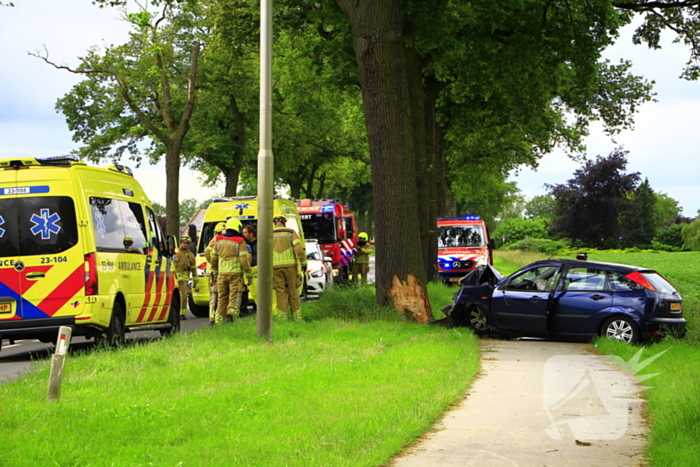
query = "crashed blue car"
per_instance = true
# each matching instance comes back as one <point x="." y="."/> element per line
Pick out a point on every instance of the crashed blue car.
<point x="571" y="300"/>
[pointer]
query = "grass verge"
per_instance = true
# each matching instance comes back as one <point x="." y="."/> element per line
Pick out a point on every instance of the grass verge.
<point x="327" y="392"/>
<point x="672" y="399"/>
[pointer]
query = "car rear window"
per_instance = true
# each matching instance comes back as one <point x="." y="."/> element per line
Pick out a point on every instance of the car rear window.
<point x="660" y="284"/>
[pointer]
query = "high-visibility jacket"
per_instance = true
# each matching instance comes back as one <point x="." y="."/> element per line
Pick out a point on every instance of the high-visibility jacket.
<point x="362" y="254"/>
<point x="185" y="264"/>
<point x="230" y="255"/>
<point x="287" y="249"/>
<point x="207" y="253"/>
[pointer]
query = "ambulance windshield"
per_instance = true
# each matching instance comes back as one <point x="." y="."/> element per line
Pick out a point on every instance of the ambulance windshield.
<point x="460" y="236"/>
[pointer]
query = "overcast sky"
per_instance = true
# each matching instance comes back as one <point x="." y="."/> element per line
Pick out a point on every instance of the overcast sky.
<point x="664" y="146"/>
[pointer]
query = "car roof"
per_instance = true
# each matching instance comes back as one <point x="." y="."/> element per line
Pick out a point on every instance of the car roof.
<point x="584" y="263"/>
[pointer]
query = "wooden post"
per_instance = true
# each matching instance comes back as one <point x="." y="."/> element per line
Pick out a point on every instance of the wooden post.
<point x="57" y="361"/>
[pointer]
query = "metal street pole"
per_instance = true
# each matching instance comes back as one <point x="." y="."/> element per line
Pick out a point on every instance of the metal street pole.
<point x="266" y="165"/>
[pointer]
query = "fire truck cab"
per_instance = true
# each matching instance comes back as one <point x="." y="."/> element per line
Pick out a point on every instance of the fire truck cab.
<point x="332" y="224"/>
<point x="463" y="244"/>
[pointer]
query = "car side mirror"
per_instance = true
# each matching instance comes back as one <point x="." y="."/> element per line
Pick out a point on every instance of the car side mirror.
<point x="171" y="244"/>
<point x="327" y="259"/>
<point x="492" y="243"/>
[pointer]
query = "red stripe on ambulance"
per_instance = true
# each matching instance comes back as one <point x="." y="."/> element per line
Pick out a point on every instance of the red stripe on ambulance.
<point x="64" y="292"/>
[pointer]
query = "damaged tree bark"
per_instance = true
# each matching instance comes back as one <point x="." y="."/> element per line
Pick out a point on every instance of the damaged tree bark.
<point x="409" y="296"/>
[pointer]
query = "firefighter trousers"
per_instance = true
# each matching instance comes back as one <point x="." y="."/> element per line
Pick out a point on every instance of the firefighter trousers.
<point x="229" y="288"/>
<point x="285" y="281"/>
<point x="213" y="296"/>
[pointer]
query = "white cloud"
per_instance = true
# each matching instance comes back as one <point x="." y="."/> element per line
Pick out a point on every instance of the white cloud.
<point x="664" y="146"/>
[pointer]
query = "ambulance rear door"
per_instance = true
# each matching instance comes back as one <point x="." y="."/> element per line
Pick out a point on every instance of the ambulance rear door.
<point x="10" y="292"/>
<point x="51" y="260"/>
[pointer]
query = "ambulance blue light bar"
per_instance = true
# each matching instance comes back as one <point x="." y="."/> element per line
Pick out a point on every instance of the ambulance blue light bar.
<point x="467" y="217"/>
<point x="327" y="208"/>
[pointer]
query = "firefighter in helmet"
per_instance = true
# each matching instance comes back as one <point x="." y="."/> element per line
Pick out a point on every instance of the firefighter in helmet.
<point x="211" y="275"/>
<point x="361" y="267"/>
<point x="185" y="266"/>
<point x="231" y="261"/>
<point x="129" y="245"/>
<point x="288" y="263"/>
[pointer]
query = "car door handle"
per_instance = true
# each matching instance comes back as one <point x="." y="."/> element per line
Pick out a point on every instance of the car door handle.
<point x="535" y="298"/>
<point x="597" y="297"/>
<point x="35" y="275"/>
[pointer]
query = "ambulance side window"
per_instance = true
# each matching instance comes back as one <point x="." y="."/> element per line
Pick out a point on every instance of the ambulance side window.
<point x="158" y="240"/>
<point x="114" y="220"/>
<point x="134" y="224"/>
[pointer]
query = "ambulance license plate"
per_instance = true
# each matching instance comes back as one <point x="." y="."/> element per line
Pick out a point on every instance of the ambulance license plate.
<point x="6" y="307"/>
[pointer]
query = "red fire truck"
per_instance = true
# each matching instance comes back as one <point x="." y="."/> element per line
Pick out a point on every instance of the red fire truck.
<point x="331" y="223"/>
<point x="463" y="244"/>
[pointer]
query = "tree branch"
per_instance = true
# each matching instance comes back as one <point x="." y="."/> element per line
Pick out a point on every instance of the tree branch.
<point x="649" y="6"/>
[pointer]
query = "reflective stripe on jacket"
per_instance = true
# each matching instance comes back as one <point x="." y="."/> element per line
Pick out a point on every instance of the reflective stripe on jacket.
<point x="230" y="255"/>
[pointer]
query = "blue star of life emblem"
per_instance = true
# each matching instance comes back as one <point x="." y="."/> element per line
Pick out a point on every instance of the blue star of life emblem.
<point x="2" y="231"/>
<point x="45" y="224"/>
<point x="242" y="206"/>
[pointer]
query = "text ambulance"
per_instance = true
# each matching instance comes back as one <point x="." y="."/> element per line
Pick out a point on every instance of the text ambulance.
<point x="244" y="208"/>
<point x="80" y="246"/>
<point x="463" y="244"/>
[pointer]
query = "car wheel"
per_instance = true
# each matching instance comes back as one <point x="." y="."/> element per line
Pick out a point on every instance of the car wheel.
<point x="115" y="334"/>
<point x="622" y="329"/>
<point x="173" y="318"/>
<point x="478" y="320"/>
<point x="198" y="310"/>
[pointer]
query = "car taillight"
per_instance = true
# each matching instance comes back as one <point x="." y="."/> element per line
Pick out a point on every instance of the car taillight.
<point x="90" y="274"/>
<point x="638" y="278"/>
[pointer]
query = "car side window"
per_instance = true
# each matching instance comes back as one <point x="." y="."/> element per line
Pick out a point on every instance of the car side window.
<point x="539" y="279"/>
<point x="622" y="284"/>
<point x="581" y="278"/>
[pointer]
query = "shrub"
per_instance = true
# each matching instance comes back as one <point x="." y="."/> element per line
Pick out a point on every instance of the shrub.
<point x="539" y="245"/>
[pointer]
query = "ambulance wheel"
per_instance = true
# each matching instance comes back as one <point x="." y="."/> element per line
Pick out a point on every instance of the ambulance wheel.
<point x="245" y="301"/>
<point x="173" y="318"/>
<point x="115" y="334"/>
<point x="198" y="310"/>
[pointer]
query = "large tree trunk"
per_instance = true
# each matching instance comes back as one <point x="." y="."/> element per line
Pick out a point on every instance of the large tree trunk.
<point x="172" y="190"/>
<point x="378" y="44"/>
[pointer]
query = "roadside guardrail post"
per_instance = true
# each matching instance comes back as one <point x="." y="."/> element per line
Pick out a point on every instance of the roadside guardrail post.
<point x="58" y="359"/>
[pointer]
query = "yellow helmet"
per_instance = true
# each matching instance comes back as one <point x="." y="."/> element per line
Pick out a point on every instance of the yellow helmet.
<point x="363" y="236"/>
<point x="233" y="223"/>
<point x="281" y="219"/>
<point x="128" y="240"/>
<point x="185" y="238"/>
<point x="220" y="227"/>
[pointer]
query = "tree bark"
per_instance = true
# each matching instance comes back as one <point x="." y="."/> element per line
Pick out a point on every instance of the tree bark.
<point x="378" y="43"/>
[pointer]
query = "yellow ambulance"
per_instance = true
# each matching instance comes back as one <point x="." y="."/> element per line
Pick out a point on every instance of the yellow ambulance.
<point x="244" y="208"/>
<point x="81" y="246"/>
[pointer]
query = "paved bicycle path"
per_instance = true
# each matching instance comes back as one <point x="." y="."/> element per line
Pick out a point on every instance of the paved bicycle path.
<point x="530" y="393"/>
